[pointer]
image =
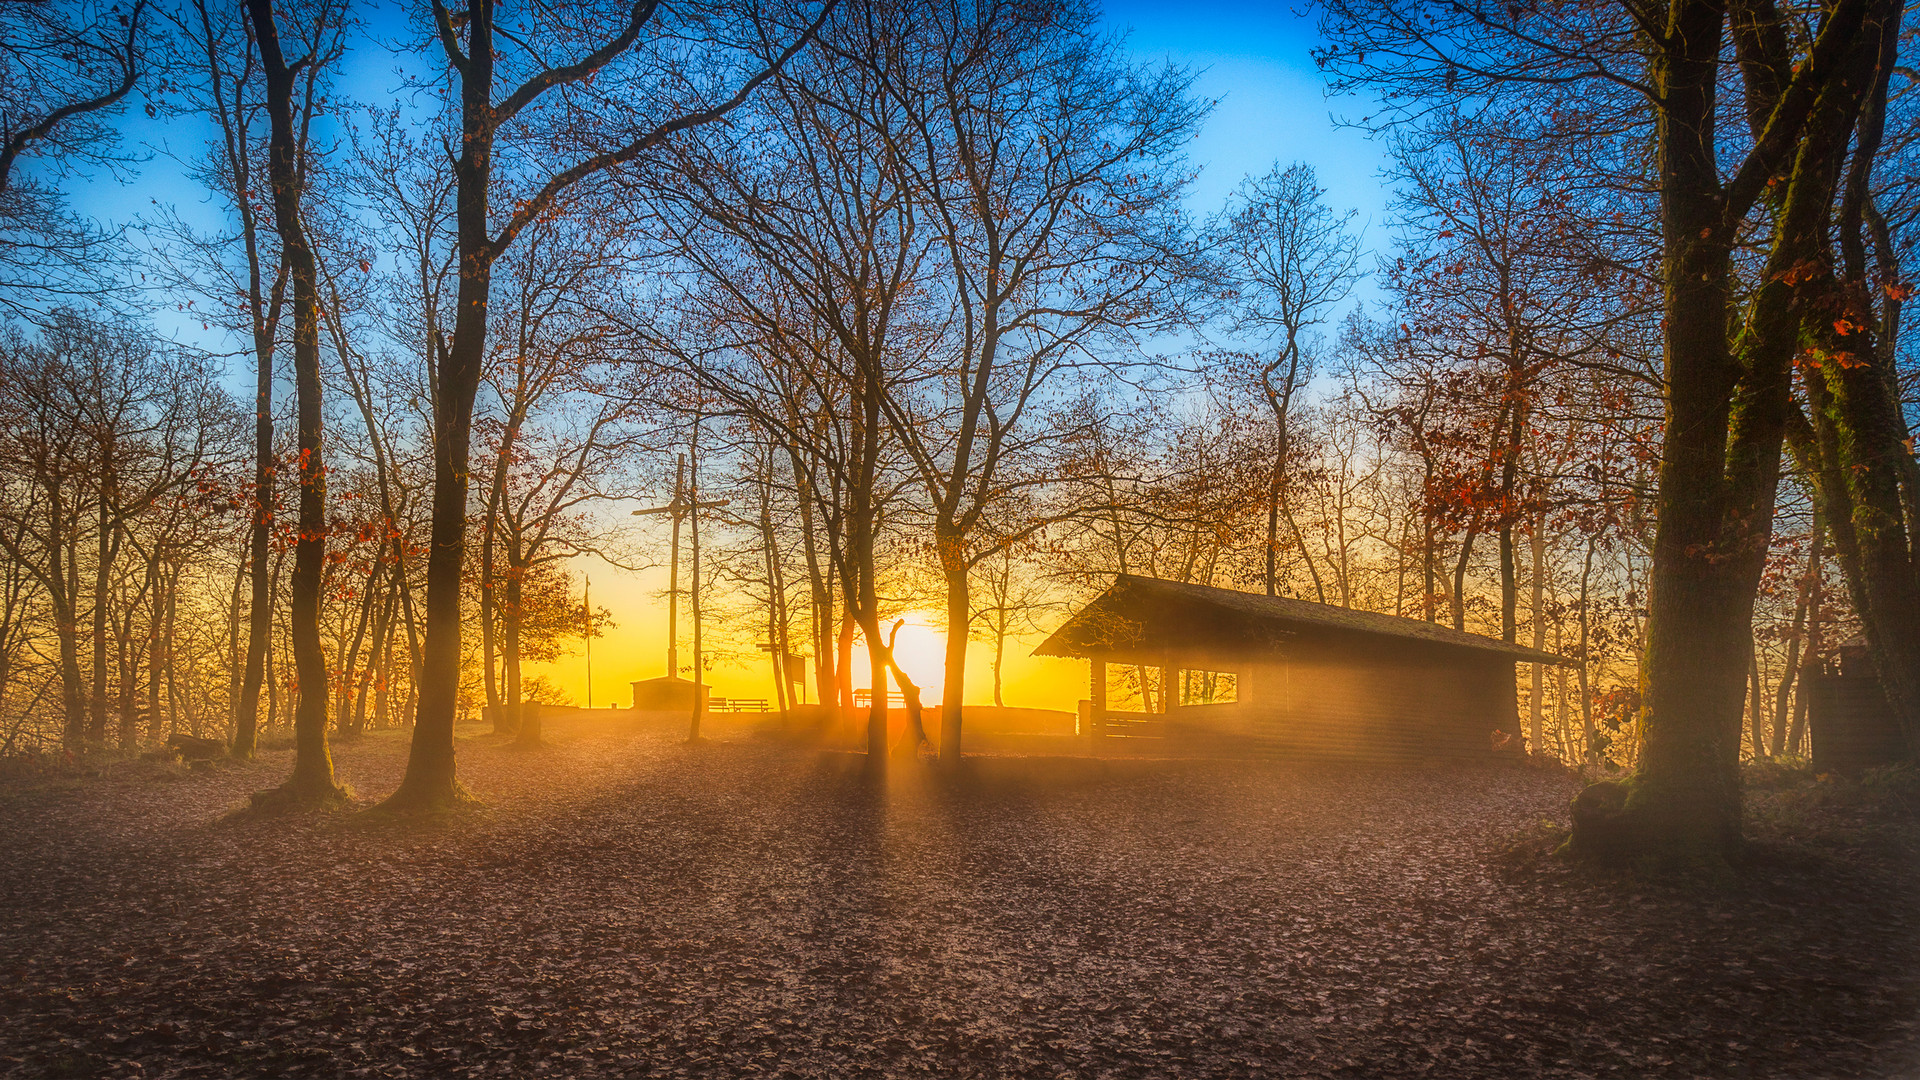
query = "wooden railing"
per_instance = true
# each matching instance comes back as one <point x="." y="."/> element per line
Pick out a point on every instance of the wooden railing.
<point x="1110" y="724"/>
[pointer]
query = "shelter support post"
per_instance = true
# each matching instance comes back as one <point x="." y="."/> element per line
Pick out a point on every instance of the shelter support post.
<point x="1097" y="692"/>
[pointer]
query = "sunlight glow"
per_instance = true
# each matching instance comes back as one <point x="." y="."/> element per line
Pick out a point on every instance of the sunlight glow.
<point x="920" y="650"/>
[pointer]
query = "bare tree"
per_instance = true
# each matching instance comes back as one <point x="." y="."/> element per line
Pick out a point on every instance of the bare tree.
<point x="290" y="173"/>
<point x="1050" y="169"/>
<point x="1289" y="260"/>
<point x="805" y="243"/>
<point x="1804" y="83"/>
<point x="103" y="427"/>
<point x="559" y="96"/>
<point x="220" y="80"/>
<point x="1854" y="438"/>
<point x="66" y="67"/>
<point x="565" y="437"/>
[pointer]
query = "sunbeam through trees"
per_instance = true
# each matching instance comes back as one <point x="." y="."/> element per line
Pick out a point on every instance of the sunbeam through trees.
<point x="1198" y="508"/>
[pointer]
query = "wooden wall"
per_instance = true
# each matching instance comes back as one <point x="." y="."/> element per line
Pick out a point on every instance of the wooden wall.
<point x="1385" y="707"/>
<point x="1853" y="726"/>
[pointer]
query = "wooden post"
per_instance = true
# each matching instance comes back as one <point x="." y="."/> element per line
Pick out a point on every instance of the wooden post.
<point x="1098" y="710"/>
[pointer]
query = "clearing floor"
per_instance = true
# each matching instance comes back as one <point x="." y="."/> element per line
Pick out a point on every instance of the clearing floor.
<point x="622" y="904"/>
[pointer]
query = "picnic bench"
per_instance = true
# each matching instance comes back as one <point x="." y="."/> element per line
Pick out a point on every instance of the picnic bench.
<point x="736" y="705"/>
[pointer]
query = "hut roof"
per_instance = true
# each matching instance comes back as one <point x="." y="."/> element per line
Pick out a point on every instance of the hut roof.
<point x="1144" y="612"/>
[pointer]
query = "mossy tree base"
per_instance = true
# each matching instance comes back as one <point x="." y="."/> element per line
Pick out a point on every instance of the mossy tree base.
<point x="424" y="800"/>
<point x="1632" y="824"/>
<point x="294" y="797"/>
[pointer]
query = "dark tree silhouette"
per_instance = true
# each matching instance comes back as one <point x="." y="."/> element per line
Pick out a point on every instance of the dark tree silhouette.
<point x="474" y="54"/>
<point x="312" y="780"/>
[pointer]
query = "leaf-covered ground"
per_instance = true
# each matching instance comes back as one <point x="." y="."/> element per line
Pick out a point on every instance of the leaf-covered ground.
<point x="624" y="905"/>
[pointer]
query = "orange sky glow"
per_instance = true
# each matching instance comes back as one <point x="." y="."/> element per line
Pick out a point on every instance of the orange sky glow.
<point x="635" y="649"/>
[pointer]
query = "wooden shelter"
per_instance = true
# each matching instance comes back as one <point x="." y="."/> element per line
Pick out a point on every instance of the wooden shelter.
<point x="668" y="693"/>
<point x="1237" y="671"/>
<point x="1853" y="724"/>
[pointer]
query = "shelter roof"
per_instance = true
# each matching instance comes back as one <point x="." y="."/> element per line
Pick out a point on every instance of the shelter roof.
<point x="1139" y="613"/>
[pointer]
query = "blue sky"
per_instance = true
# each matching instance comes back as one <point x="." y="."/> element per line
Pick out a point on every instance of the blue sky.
<point x="1255" y="59"/>
<point x="1252" y="58"/>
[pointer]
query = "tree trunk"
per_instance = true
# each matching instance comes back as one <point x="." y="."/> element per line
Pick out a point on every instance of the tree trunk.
<point x="1538" y="607"/>
<point x="376" y="668"/>
<point x="1568" y="751"/>
<point x="312" y="779"/>
<point x="236" y="657"/>
<point x="383" y="683"/>
<point x="156" y="655"/>
<point x="863" y="600"/>
<point x="1790" y="675"/>
<point x="103" y="564"/>
<point x="1281" y="403"/>
<point x="1516" y="432"/>
<point x="1273" y="531"/>
<point x="429" y="783"/>
<point x="272" y="684"/>
<point x="490" y="609"/>
<point x="1870" y="479"/>
<point x="1591" y="749"/>
<point x="353" y="677"/>
<point x="1810" y="667"/>
<point x="819" y="586"/>
<point x="953" y="567"/>
<point x="1720" y="456"/>
<point x="246" y="709"/>
<point x="126" y="697"/>
<point x="63" y="598"/>
<point x="1509" y="585"/>
<point x="842" y="693"/>
<point x="526" y="720"/>
<point x="693" y="606"/>
<point x="916" y="734"/>
<point x="1458" y="597"/>
<point x="173" y="668"/>
<point x="1429" y="542"/>
<point x="776" y="597"/>
<point x="999" y="655"/>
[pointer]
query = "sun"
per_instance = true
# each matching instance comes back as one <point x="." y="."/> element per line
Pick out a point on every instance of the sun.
<point x="919" y="648"/>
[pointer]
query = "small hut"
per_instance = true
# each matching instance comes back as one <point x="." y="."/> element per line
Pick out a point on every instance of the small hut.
<point x="668" y="693"/>
<point x="1238" y="671"/>
<point x="1853" y="724"/>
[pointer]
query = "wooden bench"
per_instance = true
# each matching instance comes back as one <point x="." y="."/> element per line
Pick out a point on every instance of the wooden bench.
<point x="737" y="705"/>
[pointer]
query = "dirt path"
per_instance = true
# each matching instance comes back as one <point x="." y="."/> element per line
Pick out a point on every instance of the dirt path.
<point x="625" y="906"/>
